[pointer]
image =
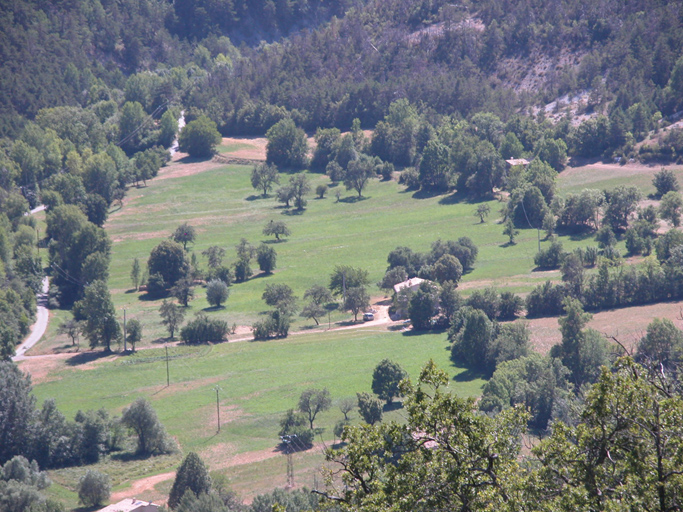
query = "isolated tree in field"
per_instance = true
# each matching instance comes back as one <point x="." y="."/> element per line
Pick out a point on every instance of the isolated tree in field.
<point x="172" y="316"/>
<point x="300" y="187"/>
<point x="386" y="378"/>
<point x="199" y="137"/>
<point x="357" y="300"/>
<point x="168" y="259"/>
<point x="665" y="181"/>
<point x="184" y="234"/>
<point x="264" y="177"/>
<point x="142" y="419"/>
<point x="135" y="274"/>
<point x="97" y="310"/>
<point x="321" y="190"/>
<point x="317" y="296"/>
<point x="346" y="405"/>
<point x="312" y="401"/>
<point x="345" y="277"/>
<point x="133" y="332"/>
<point x="217" y="292"/>
<point x="72" y="328"/>
<point x="358" y="173"/>
<point x="266" y="258"/>
<point x="369" y="407"/>
<point x="183" y="290"/>
<point x="94" y="488"/>
<point x="192" y="475"/>
<point x="281" y="297"/>
<point x="670" y="208"/>
<point x="214" y="255"/>
<point x="510" y="231"/>
<point x="287" y="145"/>
<point x="277" y="228"/>
<point x="285" y="194"/>
<point x="482" y="212"/>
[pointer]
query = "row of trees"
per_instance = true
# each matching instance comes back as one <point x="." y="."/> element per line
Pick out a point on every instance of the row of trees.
<point x="47" y="437"/>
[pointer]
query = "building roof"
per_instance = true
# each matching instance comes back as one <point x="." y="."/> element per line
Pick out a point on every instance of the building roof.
<point x="517" y="161"/>
<point x="131" y="505"/>
<point x="411" y="284"/>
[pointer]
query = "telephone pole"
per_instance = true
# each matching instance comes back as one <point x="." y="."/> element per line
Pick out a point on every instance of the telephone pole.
<point x="168" y="378"/>
<point x="124" y="332"/>
<point x="218" y="409"/>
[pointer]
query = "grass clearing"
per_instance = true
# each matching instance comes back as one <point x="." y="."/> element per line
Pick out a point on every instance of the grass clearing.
<point x="258" y="382"/>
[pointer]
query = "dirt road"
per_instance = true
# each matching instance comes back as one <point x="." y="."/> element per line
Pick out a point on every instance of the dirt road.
<point x="39" y="327"/>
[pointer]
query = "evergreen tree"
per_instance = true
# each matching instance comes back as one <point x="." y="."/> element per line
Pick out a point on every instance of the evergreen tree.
<point x="192" y="475"/>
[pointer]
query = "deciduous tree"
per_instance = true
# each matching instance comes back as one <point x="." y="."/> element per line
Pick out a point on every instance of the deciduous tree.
<point x="172" y="316"/>
<point x="313" y="401"/>
<point x="97" y="310"/>
<point x="386" y="379"/>
<point x="142" y="419"/>
<point x="264" y="177"/>
<point x="199" y="137"/>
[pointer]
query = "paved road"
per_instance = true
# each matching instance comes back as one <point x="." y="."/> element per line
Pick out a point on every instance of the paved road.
<point x="39" y="327"/>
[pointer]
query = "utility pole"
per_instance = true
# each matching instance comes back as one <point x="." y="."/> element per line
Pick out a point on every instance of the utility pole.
<point x="344" y="285"/>
<point x="124" y="332"/>
<point x="539" y="239"/>
<point x="168" y="378"/>
<point x="218" y="409"/>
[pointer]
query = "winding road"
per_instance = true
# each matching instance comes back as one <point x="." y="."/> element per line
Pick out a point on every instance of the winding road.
<point x="40" y="325"/>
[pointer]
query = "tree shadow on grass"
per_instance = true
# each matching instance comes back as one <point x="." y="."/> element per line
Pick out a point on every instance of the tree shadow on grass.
<point x="427" y="194"/>
<point x="420" y="332"/>
<point x="393" y="406"/>
<point x="353" y="199"/>
<point x="87" y="357"/>
<point x="276" y="241"/>
<point x="469" y="375"/>
<point x="129" y="456"/>
<point x="459" y="197"/>
<point x="348" y="323"/>
<point x="507" y="244"/>
<point x="159" y="341"/>
<point x="195" y="159"/>
<point x="87" y="509"/>
<point x="254" y="197"/>
<point x="213" y="308"/>
<point x="149" y="297"/>
<point x="132" y="290"/>
<point x="293" y="212"/>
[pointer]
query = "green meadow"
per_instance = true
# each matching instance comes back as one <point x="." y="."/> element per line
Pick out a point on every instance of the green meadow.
<point x="258" y="381"/>
<point x="224" y="208"/>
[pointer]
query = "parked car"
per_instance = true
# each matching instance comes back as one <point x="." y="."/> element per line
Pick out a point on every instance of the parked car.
<point x="368" y="317"/>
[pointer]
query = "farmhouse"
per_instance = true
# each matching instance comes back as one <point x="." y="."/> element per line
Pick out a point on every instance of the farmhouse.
<point x="131" y="505"/>
<point x="411" y="285"/>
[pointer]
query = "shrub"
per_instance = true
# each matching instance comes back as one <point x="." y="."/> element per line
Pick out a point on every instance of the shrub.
<point x="275" y="326"/>
<point x="551" y="257"/>
<point x="665" y="181"/>
<point x="545" y="300"/>
<point x="410" y="177"/>
<point x="94" y="488"/>
<point x="204" y="329"/>
<point x="216" y="292"/>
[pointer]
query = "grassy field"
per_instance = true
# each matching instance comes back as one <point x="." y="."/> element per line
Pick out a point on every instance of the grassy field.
<point x="224" y="208"/>
<point x="258" y="382"/>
